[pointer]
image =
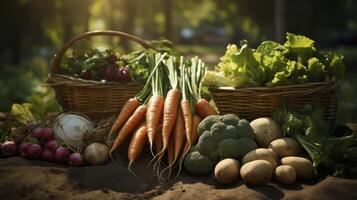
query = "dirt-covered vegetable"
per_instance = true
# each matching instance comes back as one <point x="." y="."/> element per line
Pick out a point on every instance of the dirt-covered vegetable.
<point x="285" y="174"/>
<point x="225" y="136"/>
<point x="96" y="153"/>
<point x="262" y="154"/>
<point x="302" y="166"/>
<point x="265" y="130"/>
<point x="198" y="164"/>
<point x="284" y="147"/>
<point x="227" y="171"/>
<point x="257" y="172"/>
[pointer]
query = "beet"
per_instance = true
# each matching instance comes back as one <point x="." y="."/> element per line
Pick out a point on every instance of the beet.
<point x="109" y="73"/>
<point x="62" y="154"/>
<point x="23" y="148"/>
<point x="47" y="134"/>
<point x="8" y="148"/>
<point x="52" y="145"/>
<point x="47" y="155"/>
<point x="76" y="160"/>
<point x="34" y="151"/>
<point x="123" y="75"/>
<point x="36" y="133"/>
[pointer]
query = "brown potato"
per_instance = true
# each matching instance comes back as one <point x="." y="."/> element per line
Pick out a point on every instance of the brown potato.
<point x="284" y="147"/>
<point x="262" y="154"/>
<point x="285" y="174"/>
<point x="257" y="172"/>
<point x="303" y="167"/>
<point x="265" y="130"/>
<point x="227" y="171"/>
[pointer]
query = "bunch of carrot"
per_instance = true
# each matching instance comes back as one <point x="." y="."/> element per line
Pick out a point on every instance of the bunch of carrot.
<point x="166" y="113"/>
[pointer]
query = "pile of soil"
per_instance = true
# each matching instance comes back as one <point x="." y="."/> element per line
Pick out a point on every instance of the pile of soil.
<point x="34" y="179"/>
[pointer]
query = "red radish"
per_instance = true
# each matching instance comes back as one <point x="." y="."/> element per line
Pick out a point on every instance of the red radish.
<point x="47" y="134"/>
<point x="9" y="148"/>
<point x="52" y="145"/>
<point x="62" y="154"/>
<point x="37" y="132"/>
<point x="123" y="75"/>
<point x="34" y="151"/>
<point x="47" y="155"/>
<point x="23" y="148"/>
<point x="76" y="160"/>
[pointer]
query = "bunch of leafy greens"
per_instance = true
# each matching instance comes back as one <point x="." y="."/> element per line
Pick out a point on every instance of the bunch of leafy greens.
<point x="330" y="154"/>
<point x="272" y="64"/>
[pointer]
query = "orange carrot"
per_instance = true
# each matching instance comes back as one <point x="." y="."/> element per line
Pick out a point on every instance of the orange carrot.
<point x="171" y="154"/>
<point x="153" y="115"/>
<point x="127" y="110"/>
<point x="192" y="140"/>
<point x="130" y="125"/>
<point x="204" y="109"/>
<point x="170" y="112"/>
<point x="187" y="116"/>
<point x="136" y="144"/>
<point x="158" y="140"/>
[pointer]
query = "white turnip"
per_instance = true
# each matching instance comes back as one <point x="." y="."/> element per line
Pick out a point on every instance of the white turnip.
<point x="96" y="153"/>
<point x="9" y="148"/>
<point x="76" y="160"/>
<point x="62" y="154"/>
<point x="34" y="151"/>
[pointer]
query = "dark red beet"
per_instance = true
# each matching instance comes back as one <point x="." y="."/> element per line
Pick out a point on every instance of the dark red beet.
<point x="36" y="133"/>
<point x="47" y="134"/>
<point x="8" y="148"/>
<point x="52" y="145"/>
<point x="23" y="148"/>
<point x="47" y="155"/>
<point x="34" y="151"/>
<point x="123" y="75"/>
<point x="62" y="154"/>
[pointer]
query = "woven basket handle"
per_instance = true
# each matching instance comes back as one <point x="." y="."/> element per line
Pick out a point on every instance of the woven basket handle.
<point x="58" y="57"/>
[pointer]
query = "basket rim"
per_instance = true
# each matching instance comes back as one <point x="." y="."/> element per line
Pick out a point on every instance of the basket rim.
<point x="54" y="79"/>
<point x="333" y="84"/>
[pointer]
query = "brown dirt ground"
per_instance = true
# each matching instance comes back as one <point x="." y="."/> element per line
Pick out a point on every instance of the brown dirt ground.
<point x="33" y="179"/>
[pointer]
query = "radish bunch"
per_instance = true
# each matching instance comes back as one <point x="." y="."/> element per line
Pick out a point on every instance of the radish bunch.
<point x="44" y="146"/>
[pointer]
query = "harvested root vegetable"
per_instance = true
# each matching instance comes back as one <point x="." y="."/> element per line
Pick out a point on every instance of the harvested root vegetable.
<point x="262" y="154"/>
<point x="47" y="155"/>
<point x="257" y="172"/>
<point x="62" y="154"/>
<point x="284" y="147"/>
<point x="52" y="145"/>
<point x="34" y="151"/>
<point x="227" y="171"/>
<point x="9" y="148"/>
<point x="265" y="130"/>
<point x="75" y="160"/>
<point x="285" y="174"/>
<point x="137" y="144"/>
<point x="96" y="153"/>
<point x="23" y="148"/>
<point x="303" y="167"/>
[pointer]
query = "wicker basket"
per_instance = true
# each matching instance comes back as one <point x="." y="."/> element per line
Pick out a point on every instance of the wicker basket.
<point x="254" y="102"/>
<point x="94" y="99"/>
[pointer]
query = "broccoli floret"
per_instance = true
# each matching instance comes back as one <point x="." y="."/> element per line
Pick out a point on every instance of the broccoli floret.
<point x="244" y="129"/>
<point x="214" y="155"/>
<point x="198" y="164"/>
<point x="206" y="124"/>
<point x="228" y="148"/>
<point x="206" y="143"/>
<point x="246" y="145"/>
<point x="231" y="132"/>
<point x="229" y="119"/>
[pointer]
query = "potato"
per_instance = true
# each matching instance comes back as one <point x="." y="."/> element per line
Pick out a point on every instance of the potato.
<point x="285" y="174"/>
<point x="284" y="147"/>
<point x="262" y="154"/>
<point x="302" y="166"/>
<point x="265" y="130"/>
<point x="257" y="172"/>
<point x="227" y="171"/>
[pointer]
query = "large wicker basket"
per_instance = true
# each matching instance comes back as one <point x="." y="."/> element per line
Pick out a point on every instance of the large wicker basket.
<point x="94" y="99"/>
<point x="254" y="102"/>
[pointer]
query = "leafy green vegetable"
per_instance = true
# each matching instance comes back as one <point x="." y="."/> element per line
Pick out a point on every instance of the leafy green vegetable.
<point x="25" y="113"/>
<point x="297" y="61"/>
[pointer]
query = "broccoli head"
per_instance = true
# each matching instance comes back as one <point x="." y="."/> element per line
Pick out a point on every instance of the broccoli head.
<point x="198" y="164"/>
<point x="225" y="136"/>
